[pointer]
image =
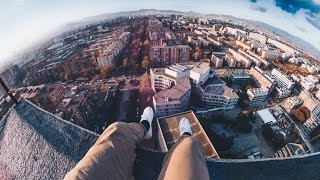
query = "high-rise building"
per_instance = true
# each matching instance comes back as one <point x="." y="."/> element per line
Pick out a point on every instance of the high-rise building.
<point x="245" y="62"/>
<point x="172" y="95"/>
<point x="292" y="103"/>
<point x="12" y="76"/>
<point x="175" y="88"/>
<point x="262" y="78"/>
<point x="289" y="150"/>
<point x="167" y="55"/>
<point x="313" y="104"/>
<point x="257" y="95"/>
<point x="240" y="78"/>
<point x="217" y="59"/>
<point x="282" y="80"/>
<point x="258" y="37"/>
<point x="168" y="133"/>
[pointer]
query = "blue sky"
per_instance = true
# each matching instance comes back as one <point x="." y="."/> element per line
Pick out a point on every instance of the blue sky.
<point x="24" y="22"/>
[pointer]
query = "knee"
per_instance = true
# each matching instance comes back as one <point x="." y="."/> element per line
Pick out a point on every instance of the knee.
<point x="113" y="127"/>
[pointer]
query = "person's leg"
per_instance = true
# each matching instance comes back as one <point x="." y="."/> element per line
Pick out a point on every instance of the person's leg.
<point x="113" y="155"/>
<point x="185" y="160"/>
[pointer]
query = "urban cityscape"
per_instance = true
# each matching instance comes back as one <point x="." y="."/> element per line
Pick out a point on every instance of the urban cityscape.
<point x="248" y="93"/>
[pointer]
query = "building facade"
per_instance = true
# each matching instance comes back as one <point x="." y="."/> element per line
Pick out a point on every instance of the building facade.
<point x="166" y="55"/>
<point x="257" y="95"/>
<point x="262" y="78"/>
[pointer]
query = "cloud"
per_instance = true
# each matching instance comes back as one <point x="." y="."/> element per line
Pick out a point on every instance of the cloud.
<point x="316" y="2"/>
<point x="293" y="6"/>
<point x="256" y="7"/>
<point x="300" y="18"/>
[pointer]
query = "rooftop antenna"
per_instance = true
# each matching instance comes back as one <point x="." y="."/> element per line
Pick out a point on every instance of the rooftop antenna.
<point x="5" y="87"/>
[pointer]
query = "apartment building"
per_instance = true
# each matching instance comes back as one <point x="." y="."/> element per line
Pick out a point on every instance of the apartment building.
<point x="257" y="95"/>
<point x="111" y="49"/>
<point x="258" y="37"/>
<point x="12" y="75"/>
<point x="215" y="94"/>
<point x="270" y="54"/>
<point x="168" y="133"/>
<point x="167" y="55"/>
<point x="282" y="80"/>
<point x="217" y="59"/>
<point x="173" y="86"/>
<point x="292" y="103"/>
<point x="240" y="78"/>
<point x="173" y="93"/>
<point x="244" y="62"/>
<point x="313" y="104"/>
<point x="262" y="78"/>
<point x="289" y="150"/>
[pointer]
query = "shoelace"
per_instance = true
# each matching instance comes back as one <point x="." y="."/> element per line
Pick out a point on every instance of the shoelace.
<point x="186" y="129"/>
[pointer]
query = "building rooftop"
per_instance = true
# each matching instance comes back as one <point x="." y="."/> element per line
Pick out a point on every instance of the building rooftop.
<point x="214" y="80"/>
<point x="174" y="93"/>
<point x="200" y="68"/>
<point x="169" y="127"/>
<point x="35" y="144"/>
<point x="240" y="75"/>
<point x="258" y="91"/>
<point x="266" y="116"/>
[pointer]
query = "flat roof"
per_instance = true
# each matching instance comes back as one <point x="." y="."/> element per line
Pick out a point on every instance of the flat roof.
<point x="214" y="80"/>
<point x="170" y="134"/>
<point x="182" y="85"/>
<point x="201" y="67"/>
<point x="266" y="116"/>
<point x="221" y="90"/>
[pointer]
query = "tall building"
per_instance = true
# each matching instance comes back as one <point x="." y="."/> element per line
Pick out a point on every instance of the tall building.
<point x="282" y="80"/>
<point x="175" y="88"/>
<point x="240" y="78"/>
<point x="168" y="133"/>
<point x="257" y="95"/>
<point x="217" y="59"/>
<point x="289" y="150"/>
<point x="283" y="92"/>
<point x="167" y="55"/>
<point x="216" y="95"/>
<point x="111" y="49"/>
<point x="258" y="37"/>
<point x="313" y="104"/>
<point x="244" y="62"/>
<point x="12" y="76"/>
<point x="172" y="95"/>
<point x="292" y="103"/>
<point x="262" y="78"/>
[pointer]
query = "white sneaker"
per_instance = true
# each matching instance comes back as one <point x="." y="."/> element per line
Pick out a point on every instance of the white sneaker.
<point x="148" y="115"/>
<point x="184" y="126"/>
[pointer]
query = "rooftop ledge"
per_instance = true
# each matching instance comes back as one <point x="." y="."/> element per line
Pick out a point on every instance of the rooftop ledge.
<point x="35" y="144"/>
